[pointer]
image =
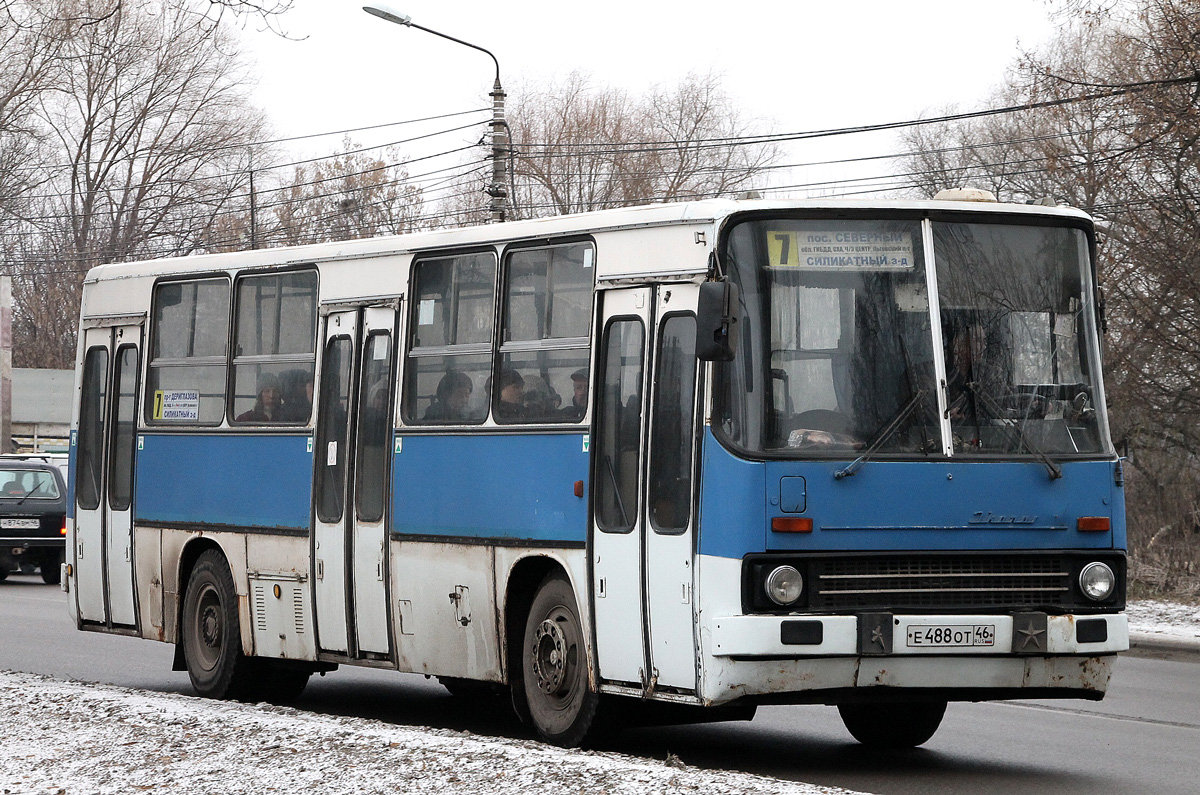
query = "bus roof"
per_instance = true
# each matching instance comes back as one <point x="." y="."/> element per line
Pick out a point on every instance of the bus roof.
<point x="703" y="213"/>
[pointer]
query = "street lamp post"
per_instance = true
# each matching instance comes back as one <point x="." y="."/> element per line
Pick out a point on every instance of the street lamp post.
<point x="497" y="190"/>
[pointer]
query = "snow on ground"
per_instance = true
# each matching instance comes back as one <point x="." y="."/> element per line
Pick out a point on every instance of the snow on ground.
<point x="1172" y="621"/>
<point x="72" y="738"/>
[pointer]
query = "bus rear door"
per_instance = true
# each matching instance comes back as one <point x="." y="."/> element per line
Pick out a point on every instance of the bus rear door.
<point x="352" y="456"/>
<point x="104" y="460"/>
<point x="643" y="533"/>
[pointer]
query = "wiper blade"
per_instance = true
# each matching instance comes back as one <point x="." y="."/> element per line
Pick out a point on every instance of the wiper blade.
<point x="886" y="433"/>
<point x="1054" y="469"/>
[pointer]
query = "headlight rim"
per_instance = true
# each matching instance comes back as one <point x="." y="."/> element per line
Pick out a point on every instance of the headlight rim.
<point x="786" y="569"/>
<point x="1097" y="565"/>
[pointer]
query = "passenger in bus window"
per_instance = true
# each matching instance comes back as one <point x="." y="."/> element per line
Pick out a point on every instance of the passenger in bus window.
<point x="579" y="397"/>
<point x="540" y="401"/>
<point x="268" y="406"/>
<point x="512" y="394"/>
<point x="297" y="395"/>
<point x="453" y="398"/>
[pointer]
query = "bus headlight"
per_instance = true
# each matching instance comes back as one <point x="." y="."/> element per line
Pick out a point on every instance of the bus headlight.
<point x="784" y="585"/>
<point x="1097" y="581"/>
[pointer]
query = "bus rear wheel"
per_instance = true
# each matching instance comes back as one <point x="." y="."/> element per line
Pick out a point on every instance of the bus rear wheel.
<point x="555" y="668"/>
<point x="895" y="725"/>
<point x="212" y="638"/>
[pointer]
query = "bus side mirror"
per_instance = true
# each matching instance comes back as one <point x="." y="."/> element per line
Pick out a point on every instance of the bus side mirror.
<point x="716" y="321"/>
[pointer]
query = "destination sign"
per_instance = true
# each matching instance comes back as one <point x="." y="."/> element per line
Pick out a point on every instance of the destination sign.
<point x="841" y="249"/>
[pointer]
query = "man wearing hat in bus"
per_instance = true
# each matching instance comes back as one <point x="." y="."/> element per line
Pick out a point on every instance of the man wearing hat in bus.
<point x="579" y="397"/>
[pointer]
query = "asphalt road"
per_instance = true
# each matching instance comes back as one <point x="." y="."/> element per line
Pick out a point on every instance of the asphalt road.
<point x="1144" y="737"/>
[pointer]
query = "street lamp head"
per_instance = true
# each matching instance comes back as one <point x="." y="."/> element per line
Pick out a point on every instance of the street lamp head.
<point x="383" y="11"/>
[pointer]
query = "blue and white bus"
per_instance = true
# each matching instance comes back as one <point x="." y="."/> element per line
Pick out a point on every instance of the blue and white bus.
<point x="703" y="456"/>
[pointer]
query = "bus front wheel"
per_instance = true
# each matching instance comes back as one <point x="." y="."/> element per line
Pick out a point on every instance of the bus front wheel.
<point x="562" y="703"/>
<point x="212" y="642"/>
<point x="893" y="725"/>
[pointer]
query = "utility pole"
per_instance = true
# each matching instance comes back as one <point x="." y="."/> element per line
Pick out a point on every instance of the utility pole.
<point x="498" y="189"/>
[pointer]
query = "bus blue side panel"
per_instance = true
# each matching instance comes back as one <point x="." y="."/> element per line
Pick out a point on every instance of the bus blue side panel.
<point x="890" y="505"/>
<point x="238" y="480"/>
<point x="491" y="486"/>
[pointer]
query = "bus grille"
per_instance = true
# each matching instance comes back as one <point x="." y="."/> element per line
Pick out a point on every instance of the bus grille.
<point x="936" y="582"/>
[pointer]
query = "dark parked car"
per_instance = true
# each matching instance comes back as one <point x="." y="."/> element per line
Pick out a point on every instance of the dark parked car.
<point x="33" y="510"/>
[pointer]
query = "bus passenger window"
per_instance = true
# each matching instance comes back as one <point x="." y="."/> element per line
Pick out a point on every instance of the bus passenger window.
<point x="185" y="382"/>
<point x="275" y="354"/>
<point x="449" y="361"/>
<point x="547" y="325"/>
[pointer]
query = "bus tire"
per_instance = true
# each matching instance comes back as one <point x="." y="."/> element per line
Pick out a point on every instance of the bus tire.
<point x="212" y="638"/>
<point x="555" y="667"/>
<point x="280" y="684"/>
<point x="895" y="725"/>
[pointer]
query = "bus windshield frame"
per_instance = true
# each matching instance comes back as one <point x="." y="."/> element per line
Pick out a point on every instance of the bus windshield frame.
<point x="839" y="354"/>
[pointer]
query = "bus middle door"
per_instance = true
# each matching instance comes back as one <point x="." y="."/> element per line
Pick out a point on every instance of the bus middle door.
<point x="352" y="459"/>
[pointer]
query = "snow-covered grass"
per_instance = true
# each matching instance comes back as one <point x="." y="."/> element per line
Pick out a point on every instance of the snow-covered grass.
<point x="72" y="738"/>
<point x="1175" y="621"/>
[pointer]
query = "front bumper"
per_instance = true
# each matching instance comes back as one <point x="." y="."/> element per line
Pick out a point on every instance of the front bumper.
<point x="887" y="634"/>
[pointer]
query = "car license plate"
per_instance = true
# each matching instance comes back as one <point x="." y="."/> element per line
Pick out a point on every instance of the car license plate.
<point x="949" y="635"/>
<point x="20" y="524"/>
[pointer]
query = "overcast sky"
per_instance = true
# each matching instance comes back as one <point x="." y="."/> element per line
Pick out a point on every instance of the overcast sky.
<point x="790" y="65"/>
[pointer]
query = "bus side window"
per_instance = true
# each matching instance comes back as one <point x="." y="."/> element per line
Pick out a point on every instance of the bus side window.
<point x="547" y="324"/>
<point x="450" y="340"/>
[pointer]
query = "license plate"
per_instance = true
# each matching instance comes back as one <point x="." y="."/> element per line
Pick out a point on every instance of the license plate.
<point x="950" y="635"/>
<point x="20" y="524"/>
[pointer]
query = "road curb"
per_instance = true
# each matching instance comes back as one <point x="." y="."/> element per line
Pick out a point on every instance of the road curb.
<point x="1155" y="644"/>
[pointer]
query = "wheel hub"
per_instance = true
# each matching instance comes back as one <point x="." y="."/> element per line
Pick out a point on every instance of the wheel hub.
<point x="210" y="627"/>
<point x="549" y="657"/>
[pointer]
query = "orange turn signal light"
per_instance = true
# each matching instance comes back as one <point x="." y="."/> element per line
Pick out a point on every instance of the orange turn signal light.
<point x="63" y="531"/>
<point x="792" y="524"/>
<point x="1094" y="524"/>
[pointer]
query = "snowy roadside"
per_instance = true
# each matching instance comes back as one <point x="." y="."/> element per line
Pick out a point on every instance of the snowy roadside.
<point x="73" y="738"/>
<point x="1161" y="622"/>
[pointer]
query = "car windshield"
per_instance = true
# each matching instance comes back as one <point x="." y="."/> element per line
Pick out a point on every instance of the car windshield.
<point x="31" y="483"/>
<point x="839" y="355"/>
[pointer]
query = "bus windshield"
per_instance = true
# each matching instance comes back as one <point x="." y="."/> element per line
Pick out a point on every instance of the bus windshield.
<point x="839" y="353"/>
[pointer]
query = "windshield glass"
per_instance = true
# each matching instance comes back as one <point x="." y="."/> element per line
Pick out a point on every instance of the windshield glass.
<point x="1017" y="339"/>
<point x="31" y="483"/>
<point x="836" y="342"/>
<point x="837" y="350"/>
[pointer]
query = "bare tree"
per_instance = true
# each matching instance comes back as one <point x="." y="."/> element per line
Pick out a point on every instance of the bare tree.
<point x="147" y="123"/>
<point x="579" y="148"/>
<point x="1117" y="133"/>
<point x="341" y="198"/>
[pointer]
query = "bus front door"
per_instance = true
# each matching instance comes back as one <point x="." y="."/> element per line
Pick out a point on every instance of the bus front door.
<point x="642" y="540"/>
<point x="350" y="505"/>
<point x="103" y="553"/>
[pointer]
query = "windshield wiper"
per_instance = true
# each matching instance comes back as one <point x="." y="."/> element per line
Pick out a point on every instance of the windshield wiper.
<point x="1022" y="440"/>
<point x="886" y="433"/>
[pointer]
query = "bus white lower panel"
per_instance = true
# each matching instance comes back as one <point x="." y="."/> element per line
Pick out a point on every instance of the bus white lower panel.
<point x="445" y="609"/>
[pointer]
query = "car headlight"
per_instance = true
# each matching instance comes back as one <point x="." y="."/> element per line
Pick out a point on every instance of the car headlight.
<point x="784" y="585"/>
<point x="1097" y="581"/>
